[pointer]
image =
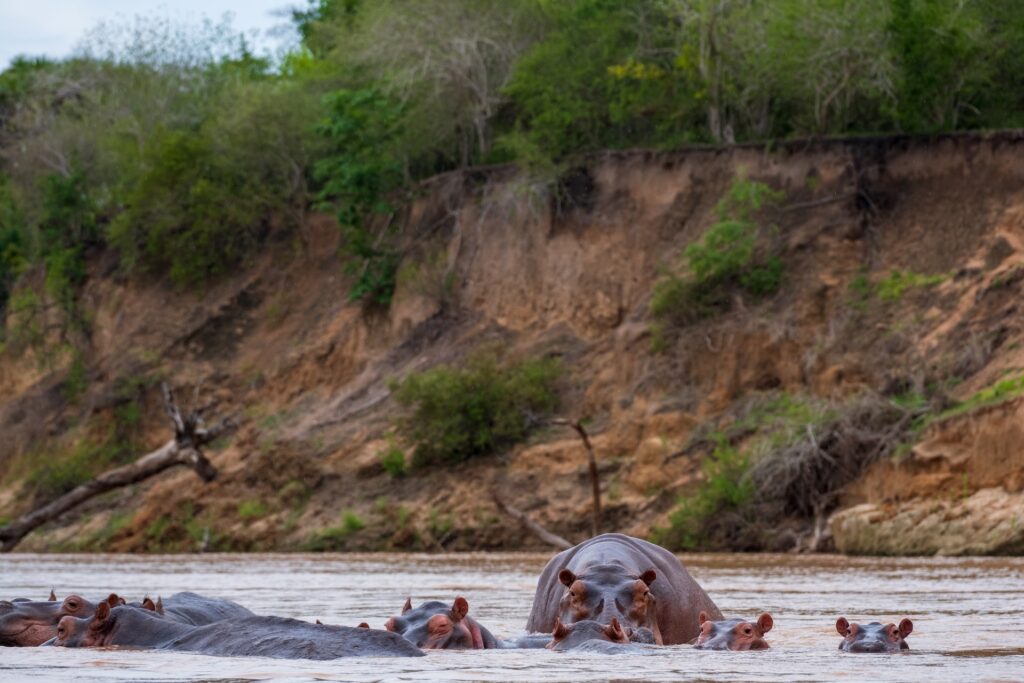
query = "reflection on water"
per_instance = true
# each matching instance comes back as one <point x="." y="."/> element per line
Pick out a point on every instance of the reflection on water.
<point x="967" y="616"/>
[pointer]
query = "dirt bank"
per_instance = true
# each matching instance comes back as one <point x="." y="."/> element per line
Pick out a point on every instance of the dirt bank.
<point x="491" y="259"/>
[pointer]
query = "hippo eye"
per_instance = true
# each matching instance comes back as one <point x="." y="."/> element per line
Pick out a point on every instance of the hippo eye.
<point x="748" y="631"/>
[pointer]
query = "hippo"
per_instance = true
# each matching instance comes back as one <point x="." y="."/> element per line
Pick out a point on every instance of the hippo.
<point x="437" y="626"/>
<point x="251" y="636"/>
<point x="733" y="634"/>
<point x="27" y="623"/>
<point x="640" y="584"/>
<point x="874" y="637"/>
<point x="194" y="609"/>
<point x="565" y="637"/>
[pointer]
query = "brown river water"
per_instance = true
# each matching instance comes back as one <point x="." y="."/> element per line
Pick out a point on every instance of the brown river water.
<point x="968" y="616"/>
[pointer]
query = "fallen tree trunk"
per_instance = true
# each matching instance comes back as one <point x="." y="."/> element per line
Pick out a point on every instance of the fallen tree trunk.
<point x="190" y="435"/>
<point x="535" y="528"/>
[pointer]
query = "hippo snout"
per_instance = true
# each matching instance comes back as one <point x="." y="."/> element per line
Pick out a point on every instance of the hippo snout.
<point x="867" y="646"/>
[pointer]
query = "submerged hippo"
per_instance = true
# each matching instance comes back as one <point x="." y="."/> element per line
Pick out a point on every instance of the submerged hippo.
<point x="733" y="634"/>
<point x="567" y="637"/>
<point x="437" y="626"/>
<point x="195" y="609"/>
<point x="874" y="637"/>
<point x="245" y="637"/>
<point x="640" y="584"/>
<point x="27" y="623"/>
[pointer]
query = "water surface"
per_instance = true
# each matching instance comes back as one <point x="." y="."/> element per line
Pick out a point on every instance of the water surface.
<point x="968" y="616"/>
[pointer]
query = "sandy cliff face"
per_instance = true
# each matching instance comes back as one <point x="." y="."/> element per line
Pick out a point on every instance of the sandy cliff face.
<point x="307" y="371"/>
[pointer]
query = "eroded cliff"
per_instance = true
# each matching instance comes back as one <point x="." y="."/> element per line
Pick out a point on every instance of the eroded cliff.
<point x="903" y="264"/>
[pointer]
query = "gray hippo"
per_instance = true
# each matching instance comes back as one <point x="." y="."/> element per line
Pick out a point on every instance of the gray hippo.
<point x="435" y="625"/>
<point x="194" y="609"/>
<point x="245" y="637"/>
<point x="640" y="584"/>
<point x="733" y="634"/>
<point x="27" y="623"/>
<point x="874" y="637"/>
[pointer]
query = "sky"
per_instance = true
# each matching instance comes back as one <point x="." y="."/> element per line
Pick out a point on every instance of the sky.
<point x="53" y="28"/>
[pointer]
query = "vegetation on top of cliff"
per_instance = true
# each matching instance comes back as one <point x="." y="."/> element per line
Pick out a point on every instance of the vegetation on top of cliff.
<point x="457" y="413"/>
<point x="181" y="148"/>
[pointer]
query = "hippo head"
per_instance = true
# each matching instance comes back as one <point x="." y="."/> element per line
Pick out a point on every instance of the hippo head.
<point x="566" y="637"/>
<point x="437" y="626"/>
<point x="874" y="637"/>
<point x="27" y="623"/>
<point x="95" y="631"/>
<point x="733" y="634"/>
<point x="610" y="591"/>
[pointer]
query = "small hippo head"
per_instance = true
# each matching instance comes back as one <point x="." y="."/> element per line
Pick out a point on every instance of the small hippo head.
<point x="610" y="591"/>
<point x="566" y="637"/>
<point x="874" y="637"/>
<point x="26" y="623"/>
<point x="94" y="631"/>
<point x="733" y="634"/>
<point x="437" y="626"/>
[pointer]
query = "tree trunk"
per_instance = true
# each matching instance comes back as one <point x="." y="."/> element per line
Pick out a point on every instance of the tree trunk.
<point x="184" y="449"/>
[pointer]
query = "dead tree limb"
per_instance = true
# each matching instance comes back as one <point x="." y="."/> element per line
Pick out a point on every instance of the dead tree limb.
<point x="190" y="435"/>
<point x="536" y="529"/>
<point x="595" y="480"/>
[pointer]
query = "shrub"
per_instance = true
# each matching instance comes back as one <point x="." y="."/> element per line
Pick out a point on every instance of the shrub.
<point x="726" y="257"/>
<point x="55" y="474"/>
<point x="333" y="538"/>
<point x="483" y="407"/>
<point x="392" y="459"/>
<point x="726" y="490"/>
<point x="251" y="509"/>
<point x="893" y="287"/>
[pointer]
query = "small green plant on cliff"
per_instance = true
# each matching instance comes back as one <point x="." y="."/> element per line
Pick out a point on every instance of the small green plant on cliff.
<point x="251" y="509"/>
<point x="1000" y="392"/>
<point x="333" y="538"/>
<point x="898" y="282"/>
<point x="726" y="257"/>
<point x="457" y="413"/>
<point x="392" y="459"/>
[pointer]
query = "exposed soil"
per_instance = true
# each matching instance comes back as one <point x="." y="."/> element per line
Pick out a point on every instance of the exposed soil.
<point x="307" y="371"/>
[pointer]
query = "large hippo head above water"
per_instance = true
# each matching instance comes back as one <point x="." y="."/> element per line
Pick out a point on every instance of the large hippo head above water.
<point x="873" y="637"/>
<point x="437" y="626"/>
<point x="27" y="623"/>
<point x="641" y="585"/>
<point x="733" y="634"/>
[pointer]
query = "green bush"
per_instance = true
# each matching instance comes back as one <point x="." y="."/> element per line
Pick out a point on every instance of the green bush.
<point x="480" y="408"/>
<point x="725" y="257"/>
<point x="392" y="459"/>
<point x="55" y="473"/>
<point x="898" y="282"/>
<point x="725" y="491"/>
<point x="251" y="509"/>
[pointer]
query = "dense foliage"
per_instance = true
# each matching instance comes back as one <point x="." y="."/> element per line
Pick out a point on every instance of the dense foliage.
<point x="486" y="406"/>
<point x="182" y="150"/>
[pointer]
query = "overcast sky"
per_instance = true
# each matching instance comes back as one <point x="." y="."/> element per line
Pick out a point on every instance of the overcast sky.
<point x="52" y="28"/>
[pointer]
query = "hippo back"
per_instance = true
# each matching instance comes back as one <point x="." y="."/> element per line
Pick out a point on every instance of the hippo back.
<point x="199" y="610"/>
<point x="284" y="638"/>
<point x="679" y="598"/>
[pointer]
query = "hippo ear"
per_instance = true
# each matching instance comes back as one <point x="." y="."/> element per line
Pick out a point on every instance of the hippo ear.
<point x="649" y="576"/>
<point x="114" y="600"/>
<point x="147" y="603"/>
<point x="566" y="577"/>
<point x="407" y="606"/>
<point x="319" y="623"/>
<point x="99" y="620"/>
<point x="560" y="631"/>
<point x="613" y="631"/>
<point x="842" y="626"/>
<point x="765" y="623"/>
<point x="460" y="608"/>
<point x="159" y="605"/>
<point x="363" y="625"/>
<point x="53" y="596"/>
<point x="702" y="617"/>
<point x="906" y="627"/>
